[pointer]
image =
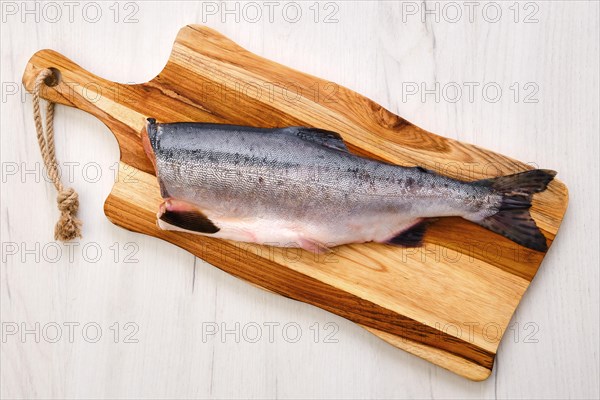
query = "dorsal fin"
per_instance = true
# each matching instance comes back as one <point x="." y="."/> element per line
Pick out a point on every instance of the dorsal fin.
<point x="320" y="136"/>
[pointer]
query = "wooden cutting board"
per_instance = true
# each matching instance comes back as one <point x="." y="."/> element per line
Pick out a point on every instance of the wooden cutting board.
<point x="448" y="302"/>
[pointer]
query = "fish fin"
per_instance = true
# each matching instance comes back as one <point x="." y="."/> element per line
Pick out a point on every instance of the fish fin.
<point x="323" y="137"/>
<point x="513" y="219"/>
<point x="423" y="170"/>
<point x="524" y="183"/>
<point x="518" y="226"/>
<point x="411" y="237"/>
<point x="314" y="246"/>
<point x="184" y="216"/>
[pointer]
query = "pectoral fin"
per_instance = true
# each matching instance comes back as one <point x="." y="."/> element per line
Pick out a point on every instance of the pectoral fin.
<point x="183" y="215"/>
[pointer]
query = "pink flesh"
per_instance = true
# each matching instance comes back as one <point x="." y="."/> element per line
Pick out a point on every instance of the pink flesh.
<point x="174" y="205"/>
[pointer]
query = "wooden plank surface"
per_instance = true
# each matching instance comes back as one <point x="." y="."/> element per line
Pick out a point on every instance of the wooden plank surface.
<point x="429" y="123"/>
<point x="391" y="290"/>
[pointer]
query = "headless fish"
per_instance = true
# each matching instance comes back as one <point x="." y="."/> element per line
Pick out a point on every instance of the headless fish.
<point x="301" y="187"/>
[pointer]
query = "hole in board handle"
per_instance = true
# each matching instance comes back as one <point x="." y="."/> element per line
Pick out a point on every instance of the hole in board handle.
<point x="53" y="79"/>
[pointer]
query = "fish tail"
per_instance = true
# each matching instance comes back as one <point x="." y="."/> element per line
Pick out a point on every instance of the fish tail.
<point x="513" y="219"/>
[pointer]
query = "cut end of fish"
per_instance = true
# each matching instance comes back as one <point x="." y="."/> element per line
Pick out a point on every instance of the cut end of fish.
<point x="149" y="139"/>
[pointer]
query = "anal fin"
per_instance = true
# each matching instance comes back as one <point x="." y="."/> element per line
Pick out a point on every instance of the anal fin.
<point x="411" y="237"/>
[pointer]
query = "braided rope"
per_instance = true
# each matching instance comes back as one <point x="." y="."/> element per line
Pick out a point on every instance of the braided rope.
<point x="68" y="226"/>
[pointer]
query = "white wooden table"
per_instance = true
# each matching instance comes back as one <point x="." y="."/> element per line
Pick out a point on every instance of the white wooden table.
<point x="121" y="315"/>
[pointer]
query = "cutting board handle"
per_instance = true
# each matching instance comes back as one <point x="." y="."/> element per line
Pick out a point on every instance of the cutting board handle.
<point x="77" y="87"/>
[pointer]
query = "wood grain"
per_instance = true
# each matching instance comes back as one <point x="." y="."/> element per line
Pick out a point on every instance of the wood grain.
<point x="464" y="276"/>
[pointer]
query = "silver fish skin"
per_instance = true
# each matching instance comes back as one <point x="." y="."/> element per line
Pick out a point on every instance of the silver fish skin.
<point x="301" y="187"/>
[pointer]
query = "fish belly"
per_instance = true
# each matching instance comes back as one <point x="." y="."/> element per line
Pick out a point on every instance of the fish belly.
<point x="320" y="231"/>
